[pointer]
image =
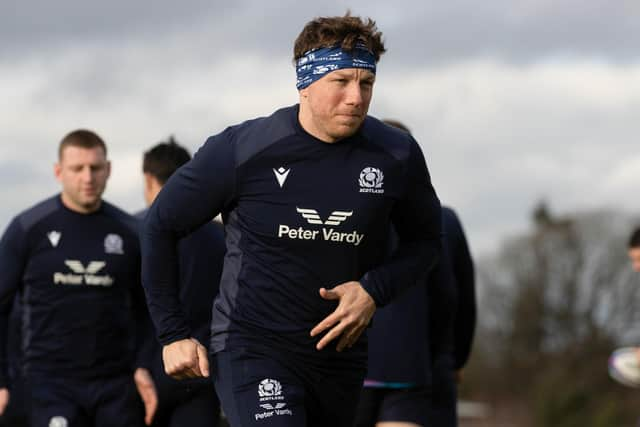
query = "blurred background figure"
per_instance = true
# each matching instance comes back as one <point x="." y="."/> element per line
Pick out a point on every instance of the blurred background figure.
<point x="74" y="261"/>
<point x="634" y="249"/>
<point x="411" y="379"/>
<point x="189" y="402"/>
<point x="452" y="313"/>
<point x="15" y="413"/>
<point x="634" y="255"/>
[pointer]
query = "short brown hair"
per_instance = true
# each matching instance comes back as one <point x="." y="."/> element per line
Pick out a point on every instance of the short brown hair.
<point x="81" y="138"/>
<point x="344" y="30"/>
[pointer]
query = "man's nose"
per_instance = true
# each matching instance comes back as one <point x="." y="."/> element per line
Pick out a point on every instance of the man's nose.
<point x="86" y="174"/>
<point x="354" y="94"/>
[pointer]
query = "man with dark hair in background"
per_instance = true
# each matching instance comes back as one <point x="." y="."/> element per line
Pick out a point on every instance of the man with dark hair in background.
<point x="411" y="377"/>
<point x="74" y="262"/>
<point x="452" y="326"/>
<point x="633" y="249"/>
<point x="187" y="402"/>
<point x="307" y="196"/>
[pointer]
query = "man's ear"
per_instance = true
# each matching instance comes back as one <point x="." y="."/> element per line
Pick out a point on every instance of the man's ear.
<point x="57" y="170"/>
<point x="148" y="181"/>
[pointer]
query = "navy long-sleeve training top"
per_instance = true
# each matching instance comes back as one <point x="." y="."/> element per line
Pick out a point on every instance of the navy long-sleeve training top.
<point x="200" y="260"/>
<point x="201" y="256"/>
<point x="14" y="344"/>
<point x="433" y="320"/>
<point x="464" y="280"/>
<point x="78" y="280"/>
<point x="300" y="214"/>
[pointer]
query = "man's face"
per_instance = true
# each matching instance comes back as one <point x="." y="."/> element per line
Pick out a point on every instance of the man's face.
<point x="335" y="106"/>
<point x="634" y="256"/>
<point x="83" y="173"/>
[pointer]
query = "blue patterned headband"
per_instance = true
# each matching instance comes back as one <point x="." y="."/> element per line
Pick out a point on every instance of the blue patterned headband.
<point x="315" y="63"/>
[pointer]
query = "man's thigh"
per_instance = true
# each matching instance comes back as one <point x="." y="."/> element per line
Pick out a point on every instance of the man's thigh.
<point x="368" y="407"/>
<point x="116" y="402"/>
<point x="15" y="414"/>
<point x="333" y="396"/>
<point x="256" y="390"/>
<point x="54" y="403"/>
<point x="406" y="405"/>
<point x="443" y="411"/>
<point x="200" y="408"/>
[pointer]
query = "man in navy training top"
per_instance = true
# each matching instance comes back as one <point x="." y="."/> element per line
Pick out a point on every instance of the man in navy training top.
<point x="74" y="262"/>
<point x="189" y="402"/>
<point x="451" y="327"/>
<point x="411" y="376"/>
<point x="633" y="251"/>
<point x="307" y="196"/>
<point x="14" y="413"/>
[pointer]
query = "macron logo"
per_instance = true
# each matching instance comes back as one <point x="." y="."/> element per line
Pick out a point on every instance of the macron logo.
<point x="312" y="216"/>
<point x="281" y="175"/>
<point x="54" y="237"/>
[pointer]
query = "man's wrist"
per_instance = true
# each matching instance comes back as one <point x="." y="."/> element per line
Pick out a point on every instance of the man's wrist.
<point x="367" y="285"/>
<point x="170" y="339"/>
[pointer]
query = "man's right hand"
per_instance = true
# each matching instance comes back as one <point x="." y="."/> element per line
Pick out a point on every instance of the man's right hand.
<point x="186" y="358"/>
<point x="4" y="399"/>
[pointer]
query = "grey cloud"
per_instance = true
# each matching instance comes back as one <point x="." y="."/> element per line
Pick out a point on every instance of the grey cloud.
<point x="519" y="31"/>
<point x="419" y="31"/>
<point x="34" y="23"/>
<point x="21" y="180"/>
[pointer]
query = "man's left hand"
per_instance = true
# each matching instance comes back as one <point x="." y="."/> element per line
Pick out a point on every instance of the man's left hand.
<point x="147" y="391"/>
<point x="351" y="317"/>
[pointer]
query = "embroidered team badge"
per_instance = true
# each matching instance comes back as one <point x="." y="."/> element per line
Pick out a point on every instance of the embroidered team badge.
<point x="58" y="421"/>
<point x="371" y="180"/>
<point x="113" y="244"/>
<point x="272" y="401"/>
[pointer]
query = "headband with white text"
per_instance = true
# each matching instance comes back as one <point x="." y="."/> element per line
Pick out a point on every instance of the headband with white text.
<point x="314" y="64"/>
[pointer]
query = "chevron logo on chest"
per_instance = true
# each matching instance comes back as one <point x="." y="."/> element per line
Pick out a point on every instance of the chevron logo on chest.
<point x="312" y="216"/>
<point x="54" y="237"/>
<point x="281" y="175"/>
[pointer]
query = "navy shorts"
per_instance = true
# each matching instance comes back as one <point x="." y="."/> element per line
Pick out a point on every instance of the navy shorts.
<point x="411" y="405"/>
<point x="192" y="403"/>
<point x="56" y="402"/>
<point x="443" y="395"/>
<point x="15" y="413"/>
<point x="276" y="389"/>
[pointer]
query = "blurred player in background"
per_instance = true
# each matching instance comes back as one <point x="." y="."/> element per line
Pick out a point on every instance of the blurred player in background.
<point x="451" y="327"/>
<point x="633" y="250"/>
<point x="15" y="412"/>
<point x="74" y="262"/>
<point x="187" y="402"/>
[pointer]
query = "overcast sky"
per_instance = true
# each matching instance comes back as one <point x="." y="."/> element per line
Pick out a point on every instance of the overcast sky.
<point x="512" y="101"/>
